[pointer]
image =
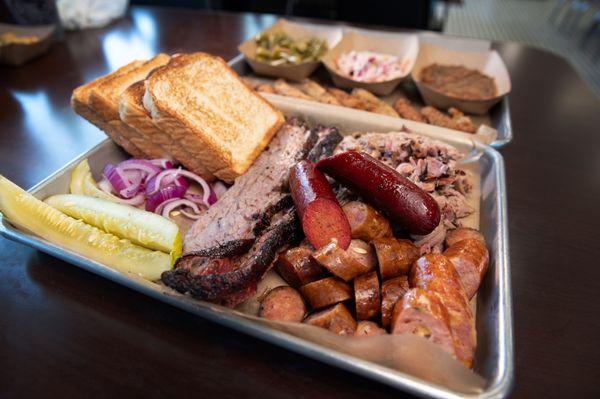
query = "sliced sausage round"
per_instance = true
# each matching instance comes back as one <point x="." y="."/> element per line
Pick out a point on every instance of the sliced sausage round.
<point x="367" y="296"/>
<point x="367" y="328"/>
<point x="326" y="292"/>
<point x="283" y="304"/>
<point x="394" y="256"/>
<point x="423" y="314"/>
<point x="358" y="259"/>
<point x="391" y="292"/>
<point x="297" y="267"/>
<point x="336" y="319"/>
<point x="470" y="257"/>
<point x="435" y="273"/>
<point x="366" y="223"/>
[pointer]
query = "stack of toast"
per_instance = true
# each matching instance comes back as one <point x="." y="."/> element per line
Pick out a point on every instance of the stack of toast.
<point x="190" y="108"/>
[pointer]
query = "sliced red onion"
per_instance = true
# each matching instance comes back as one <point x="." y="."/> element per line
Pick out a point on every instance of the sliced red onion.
<point x="140" y="164"/>
<point x="135" y="201"/>
<point x="189" y="214"/>
<point x="134" y="180"/>
<point x="115" y="177"/>
<point x="167" y="207"/>
<point x="178" y="181"/>
<point x="177" y="172"/>
<point x="162" y="162"/>
<point x="164" y="194"/>
<point x="105" y="186"/>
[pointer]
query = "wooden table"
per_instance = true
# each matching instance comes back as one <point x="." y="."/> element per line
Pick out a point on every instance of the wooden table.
<point x="66" y="333"/>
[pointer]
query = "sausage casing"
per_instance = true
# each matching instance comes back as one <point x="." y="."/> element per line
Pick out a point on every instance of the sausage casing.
<point x="358" y="259"/>
<point x="367" y="328"/>
<point x="391" y="292"/>
<point x="394" y="256"/>
<point x="297" y="267"/>
<point x="366" y="223"/>
<point x="336" y="319"/>
<point x="435" y="273"/>
<point x="462" y="233"/>
<point x="470" y="258"/>
<point x="326" y="292"/>
<point x="367" y="296"/>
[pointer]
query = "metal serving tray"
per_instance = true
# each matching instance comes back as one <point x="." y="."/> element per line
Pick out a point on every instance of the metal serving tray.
<point x="498" y="117"/>
<point x="494" y="358"/>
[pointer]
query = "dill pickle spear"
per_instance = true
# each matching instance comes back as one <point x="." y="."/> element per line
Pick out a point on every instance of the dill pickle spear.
<point x="27" y="212"/>
<point x="82" y="182"/>
<point x="140" y="227"/>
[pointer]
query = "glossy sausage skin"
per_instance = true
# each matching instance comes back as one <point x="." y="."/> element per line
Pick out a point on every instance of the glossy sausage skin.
<point x="423" y="314"/>
<point x="336" y="319"/>
<point x="462" y="233"/>
<point x="388" y="190"/>
<point x="283" y="304"/>
<point x="367" y="297"/>
<point x="320" y="213"/>
<point x="367" y="328"/>
<point x="326" y="292"/>
<point x="297" y="267"/>
<point x="366" y="223"/>
<point x="435" y="273"/>
<point x="470" y="258"/>
<point x="358" y="259"/>
<point x="391" y="292"/>
<point x="394" y="256"/>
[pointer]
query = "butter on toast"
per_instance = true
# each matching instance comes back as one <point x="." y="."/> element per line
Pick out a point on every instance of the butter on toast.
<point x="80" y="104"/>
<point x="202" y="104"/>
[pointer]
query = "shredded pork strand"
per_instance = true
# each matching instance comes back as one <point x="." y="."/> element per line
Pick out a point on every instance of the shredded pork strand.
<point x="430" y="164"/>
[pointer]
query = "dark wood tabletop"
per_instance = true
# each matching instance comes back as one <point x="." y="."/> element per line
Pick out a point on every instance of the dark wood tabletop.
<point x="66" y="333"/>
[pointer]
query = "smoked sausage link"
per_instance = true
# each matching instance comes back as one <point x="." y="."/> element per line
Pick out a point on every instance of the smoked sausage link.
<point x="336" y="319"/>
<point x="297" y="267"/>
<point x="320" y="213"/>
<point x="326" y="292"/>
<point x="462" y="233"/>
<point x="366" y="223"/>
<point x="283" y="304"/>
<point x="436" y="274"/>
<point x="367" y="296"/>
<point x="358" y="259"/>
<point x="423" y="314"/>
<point x="470" y="258"/>
<point x="402" y="200"/>
<point x="394" y="256"/>
<point x="391" y="292"/>
<point x="368" y="329"/>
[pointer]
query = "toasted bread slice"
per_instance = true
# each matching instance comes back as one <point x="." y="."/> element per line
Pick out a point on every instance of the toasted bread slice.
<point x="133" y="113"/>
<point x="201" y="102"/>
<point x="80" y="104"/>
<point x="104" y="99"/>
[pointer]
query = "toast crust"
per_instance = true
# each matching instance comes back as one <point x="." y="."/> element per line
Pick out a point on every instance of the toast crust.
<point x="204" y="105"/>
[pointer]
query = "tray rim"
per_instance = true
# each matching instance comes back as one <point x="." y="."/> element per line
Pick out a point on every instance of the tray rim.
<point x="500" y="386"/>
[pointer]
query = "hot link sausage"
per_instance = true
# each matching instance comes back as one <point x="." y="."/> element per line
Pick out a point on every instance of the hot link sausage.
<point x="297" y="267"/>
<point x="391" y="292"/>
<point x="435" y="273"/>
<point x="283" y="304"/>
<point x="366" y="296"/>
<point x="336" y="319"/>
<point x="320" y="213"/>
<point x="470" y="257"/>
<point x="422" y="313"/>
<point x="366" y="223"/>
<point x="387" y="189"/>
<point x="325" y="292"/>
<point x="394" y="256"/>
<point x="358" y="259"/>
